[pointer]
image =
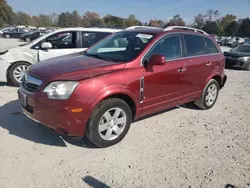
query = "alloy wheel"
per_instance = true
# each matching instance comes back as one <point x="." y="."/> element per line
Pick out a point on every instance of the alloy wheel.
<point x="211" y="95"/>
<point x="19" y="72"/>
<point x="112" y="124"/>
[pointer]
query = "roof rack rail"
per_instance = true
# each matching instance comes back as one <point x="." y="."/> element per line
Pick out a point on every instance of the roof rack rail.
<point x="185" y="28"/>
<point x="141" y="27"/>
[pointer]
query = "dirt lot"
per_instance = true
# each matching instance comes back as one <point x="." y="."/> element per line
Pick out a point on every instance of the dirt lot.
<point x="182" y="147"/>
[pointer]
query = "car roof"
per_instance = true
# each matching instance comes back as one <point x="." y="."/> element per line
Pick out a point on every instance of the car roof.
<point x="94" y="29"/>
<point x="155" y="30"/>
<point x="148" y="30"/>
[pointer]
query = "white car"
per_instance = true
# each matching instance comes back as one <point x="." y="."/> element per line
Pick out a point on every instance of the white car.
<point x="5" y="29"/>
<point x="15" y="61"/>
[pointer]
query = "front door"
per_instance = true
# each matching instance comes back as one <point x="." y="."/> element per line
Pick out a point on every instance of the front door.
<point x="164" y="85"/>
<point x="63" y="43"/>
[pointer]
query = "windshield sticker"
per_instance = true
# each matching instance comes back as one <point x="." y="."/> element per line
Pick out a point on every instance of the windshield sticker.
<point x="145" y="36"/>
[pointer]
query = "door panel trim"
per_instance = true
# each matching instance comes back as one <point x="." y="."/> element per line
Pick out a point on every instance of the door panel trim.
<point x="142" y="89"/>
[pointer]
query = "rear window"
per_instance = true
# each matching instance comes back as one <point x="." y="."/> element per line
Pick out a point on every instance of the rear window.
<point x="195" y="45"/>
<point x="90" y="38"/>
<point x="211" y="46"/>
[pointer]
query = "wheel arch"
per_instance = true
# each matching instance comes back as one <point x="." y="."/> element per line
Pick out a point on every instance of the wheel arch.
<point x="117" y="91"/>
<point x="216" y="77"/>
<point x="11" y="65"/>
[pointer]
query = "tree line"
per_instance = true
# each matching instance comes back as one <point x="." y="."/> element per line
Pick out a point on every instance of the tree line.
<point x="211" y="21"/>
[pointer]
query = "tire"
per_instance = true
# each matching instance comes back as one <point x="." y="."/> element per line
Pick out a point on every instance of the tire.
<point x="203" y="103"/>
<point x="27" y="39"/>
<point x="247" y="66"/>
<point x="7" y="36"/>
<point x="12" y="72"/>
<point x="93" y="128"/>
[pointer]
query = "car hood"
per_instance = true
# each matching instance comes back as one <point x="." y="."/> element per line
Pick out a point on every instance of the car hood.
<point x="237" y="54"/>
<point x="73" y="67"/>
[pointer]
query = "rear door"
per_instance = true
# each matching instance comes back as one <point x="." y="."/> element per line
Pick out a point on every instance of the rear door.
<point x="198" y="61"/>
<point x="216" y="59"/>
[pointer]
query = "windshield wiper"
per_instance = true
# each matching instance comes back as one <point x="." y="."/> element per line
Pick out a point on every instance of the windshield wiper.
<point x="98" y="56"/>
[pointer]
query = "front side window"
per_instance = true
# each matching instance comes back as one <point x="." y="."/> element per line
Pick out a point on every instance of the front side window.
<point x="121" y="47"/>
<point x="170" y="47"/>
<point x="195" y="45"/>
<point x="211" y="46"/>
<point x="90" y="38"/>
<point x="62" y="40"/>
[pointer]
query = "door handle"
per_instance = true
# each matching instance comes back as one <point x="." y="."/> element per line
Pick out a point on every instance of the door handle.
<point x="208" y="64"/>
<point x="182" y="69"/>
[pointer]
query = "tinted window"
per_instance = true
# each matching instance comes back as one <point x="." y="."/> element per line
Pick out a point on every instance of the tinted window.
<point x="170" y="47"/>
<point x="211" y="46"/>
<point x="195" y="45"/>
<point x="62" y="40"/>
<point x="242" y="48"/>
<point x="88" y="38"/>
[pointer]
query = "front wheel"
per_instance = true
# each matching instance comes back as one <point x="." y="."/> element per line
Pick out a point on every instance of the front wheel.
<point x="247" y="66"/>
<point x="109" y="122"/>
<point x="7" y="36"/>
<point x="209" y="95"/>
<point x="17" y="72"/>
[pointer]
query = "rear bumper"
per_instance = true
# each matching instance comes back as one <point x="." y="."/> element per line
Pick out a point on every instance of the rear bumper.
<point x="56" y="115"/>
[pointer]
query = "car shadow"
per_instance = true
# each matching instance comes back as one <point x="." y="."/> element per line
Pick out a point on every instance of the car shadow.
<point x="4" y="84"/>
<point x="13" y="120"/>
<point x="93" y="182"/>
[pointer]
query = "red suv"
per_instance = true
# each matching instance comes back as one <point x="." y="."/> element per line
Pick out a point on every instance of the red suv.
<point x="129" y="74"/>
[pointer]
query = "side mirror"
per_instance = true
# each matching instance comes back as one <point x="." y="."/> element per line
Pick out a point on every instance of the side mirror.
<point x="46" y="45"/>
<point x="157" y="59"/>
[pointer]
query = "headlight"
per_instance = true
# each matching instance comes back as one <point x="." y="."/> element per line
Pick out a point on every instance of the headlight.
<point x="60" y="89"/>
<point x="244" y="58"/>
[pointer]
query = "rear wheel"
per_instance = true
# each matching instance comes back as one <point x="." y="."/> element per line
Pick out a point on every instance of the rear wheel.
<point x="7" y="36"/>
<point x="17" y="72"/>
<point x="109" y="122"/>
<point x="209" y="95"/>
<point x="27" y="39"/>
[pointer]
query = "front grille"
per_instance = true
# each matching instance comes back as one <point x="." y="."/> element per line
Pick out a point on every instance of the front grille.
<point x="31" y="83"/>
<point x="230" y="61"/>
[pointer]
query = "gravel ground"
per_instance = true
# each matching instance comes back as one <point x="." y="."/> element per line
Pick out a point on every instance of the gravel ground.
<point x="181" y="147"/>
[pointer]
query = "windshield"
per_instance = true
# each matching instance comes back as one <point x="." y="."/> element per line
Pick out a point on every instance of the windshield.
<point x="243" y="48"/>
<point x="120" y="47"/>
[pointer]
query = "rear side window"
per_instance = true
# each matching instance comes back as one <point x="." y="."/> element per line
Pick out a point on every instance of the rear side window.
<point x="211" y="46"/>
<point x="90" y="38"/>
<point x="195" y="45"/>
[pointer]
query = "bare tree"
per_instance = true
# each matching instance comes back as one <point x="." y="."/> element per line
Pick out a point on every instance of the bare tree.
<point x="54" y="18"/>
<point x="199" y="20"/>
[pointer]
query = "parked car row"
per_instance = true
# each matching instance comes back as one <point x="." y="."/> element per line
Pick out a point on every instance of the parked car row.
<point x="117" y="80"/>
<point x="231" y="42"/>
<point x="25" y="34"/>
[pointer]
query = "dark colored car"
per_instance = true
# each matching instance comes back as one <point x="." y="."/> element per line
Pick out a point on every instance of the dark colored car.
<point x="27" y="37"/>
<point x="125" y="76"/>
<point x="239" y="57"/>
<point x="14" y="33"/>
<point x="223" y="42"/>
